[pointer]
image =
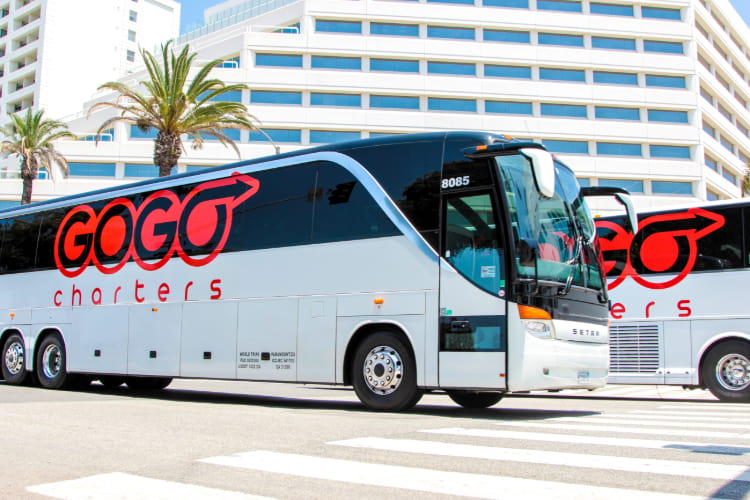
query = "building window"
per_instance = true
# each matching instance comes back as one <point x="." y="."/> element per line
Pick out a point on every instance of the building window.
<point x="727" y="144"/>
<point x="329" y="136"/>
<point x="601" y="42"/>
<point x="661" y="13"/>
<point x="141" y="170"/>
<point x="711" y="196"/>
<point x="675" y="82"/>
<point x="663" y="47"/>
<point x="567" y="147"/>
<point x="611" y="9"/>
<point x="443" y="104"/>
<point x="281" y="60"/>
<point x="465" y="2"/>
<point x="394" y="102"/>
<point x="507" y="36"/>
<point x="137" y="133"/>
<point x="130" y="55"/>
<point x="583" y="181"/>
<point x="633" y="186"/>
<point x="446" y="32"/>
<point x="568" y="110"/>
<point x="397" y="65"/>
<point x="564" y="75"/>
<point x="343" y="100"/>
<point x="277" y="135"/>
<point x="610" y="113"/>
<point x="394" y="29"/>
<point x="131" y="35"/>
<point x="517" y="4"/>
<point x="521" y="72"/>
<point x="325" y="26"/>
<point x="561" y="5"/>
<point x="275" y="97"/>
<point x="333" y="62"/>
<point x="508" y="107"/>
<point x="677" y="152"/>
<point x="609" y="77"/>
<point x="729" y="176"/>
<point x="561" y="40"/>
<point x="711" y="163"/>
<point x="91" y="169"/>
<point x="672" y="187"/>
<point x="618" y="149"/>
<point x="133" y="16"/>
<point x="659" y="115"/>
<point x="709" y="129"/>
<point x="451" y="68"/>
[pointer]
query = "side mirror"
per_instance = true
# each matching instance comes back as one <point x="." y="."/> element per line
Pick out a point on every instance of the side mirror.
<point x="528" y="251"/>
<point x="621" y="196"/>
<point x="543" y="167"/>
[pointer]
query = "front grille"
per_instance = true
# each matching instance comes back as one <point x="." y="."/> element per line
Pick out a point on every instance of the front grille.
<point x="634" y="348"/>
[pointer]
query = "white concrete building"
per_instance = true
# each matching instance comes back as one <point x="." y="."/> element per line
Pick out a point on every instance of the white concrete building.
<point x="648" y="94"/>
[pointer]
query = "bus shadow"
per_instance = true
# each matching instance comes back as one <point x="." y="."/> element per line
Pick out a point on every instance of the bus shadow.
<point x="449" y="410"/>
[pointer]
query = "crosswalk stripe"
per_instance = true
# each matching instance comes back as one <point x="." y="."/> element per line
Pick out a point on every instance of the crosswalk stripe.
<point x="595" y="440"/>
<point x="628" y="430"/>
<point x="720" y="407"/>
<point x="686" y="415"/>
<point x="625" y="419"/>
<point x="623" y="464"/>
<point x="427" y="480"/>
<point x="121" y="486"/>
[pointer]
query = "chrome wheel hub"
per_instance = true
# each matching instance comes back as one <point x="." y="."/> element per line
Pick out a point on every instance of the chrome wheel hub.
<point x="733" y="372"/>
<point x="51" y="361"/>
<point x="383" y="370"/>
<point x="14" y="358"/>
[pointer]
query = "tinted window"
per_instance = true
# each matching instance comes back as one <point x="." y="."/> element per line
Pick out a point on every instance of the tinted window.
<point x="394" y="29"/>
<point x="558" y="39"/>
<point x="439" y="104"/>
<point x="338" y="26"/>
<point x="611" y="9"/>
<point x="565" y="75"/>
<point x="20" y="239"/>
<point x="284" y="60"/>
<point x="563" y="110"/>
<point x="615" y="78"/>
<point x="394" y="102"/>
<point x="519" y="4"/>
<point x="399" y="65"/>
<point x="445" y="32"/>
<point x="507" y="36"/>
<point x="661" y="13"/>
<point x="570" y="147"/>
<point x="562" y="5"/>
<point x="600" y="42"/>
<point x="346" y="100"/>
<point x="607" y="113"/>
<point x="507" y="71"/>
<point x="78" y="169"/>
<point x="618" y="149"/>
<point x="345" y="210"/>
<point x="273" y="97"/>
<point x="277" y="135"/>
<point x="332" y="62"/>
<point x="665" y="47"/>
<point x="45" y="258"/>
<point x="677" y="82"/>
<point x="508" y="107"/>
<point x="450" y="68"/>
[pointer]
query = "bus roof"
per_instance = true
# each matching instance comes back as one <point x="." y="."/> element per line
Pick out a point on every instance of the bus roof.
<point x="149" y="184"/>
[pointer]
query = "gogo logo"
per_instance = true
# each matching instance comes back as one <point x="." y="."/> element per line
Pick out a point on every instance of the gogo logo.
<point x="670" y="242"/>
<point x="151" y="233"/>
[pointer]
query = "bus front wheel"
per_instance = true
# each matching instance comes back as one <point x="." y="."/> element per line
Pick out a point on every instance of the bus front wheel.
<point x="473" y="399"/>
<point x="726" y="371"/>
<point x="14" y="360"/>
<point x="384" y="373"/>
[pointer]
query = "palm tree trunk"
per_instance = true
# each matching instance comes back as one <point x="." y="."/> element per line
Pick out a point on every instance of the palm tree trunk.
<point x="167" y="150"/>
<point x="28" y="184"/>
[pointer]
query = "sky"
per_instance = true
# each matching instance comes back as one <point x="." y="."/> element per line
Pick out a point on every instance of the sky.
<point x="192" y="12"/>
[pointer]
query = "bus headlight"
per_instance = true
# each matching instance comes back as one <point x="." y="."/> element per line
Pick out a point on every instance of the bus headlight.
<point x="540" y="329"/>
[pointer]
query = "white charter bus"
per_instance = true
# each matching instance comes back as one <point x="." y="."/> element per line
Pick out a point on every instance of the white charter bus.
<point x="458" y="261"/>
<point x="680" y="312"/>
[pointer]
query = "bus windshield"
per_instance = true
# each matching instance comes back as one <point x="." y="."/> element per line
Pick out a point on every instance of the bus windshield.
<point x="561" y="225"/>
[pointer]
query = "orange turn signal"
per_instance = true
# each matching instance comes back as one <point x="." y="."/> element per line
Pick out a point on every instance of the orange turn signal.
<point x="379" y="301"/>
<point x="528" y="312"/>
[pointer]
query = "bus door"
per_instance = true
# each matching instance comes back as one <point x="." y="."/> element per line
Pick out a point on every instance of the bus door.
<point x="473" y="319"/>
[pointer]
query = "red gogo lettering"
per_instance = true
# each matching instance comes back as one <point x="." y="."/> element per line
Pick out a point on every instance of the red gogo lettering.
<point x="195" y="228"/>
<point x="673" y="249"/>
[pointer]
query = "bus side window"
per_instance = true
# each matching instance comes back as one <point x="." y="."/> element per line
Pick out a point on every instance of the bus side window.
<point x="24" y="233"/>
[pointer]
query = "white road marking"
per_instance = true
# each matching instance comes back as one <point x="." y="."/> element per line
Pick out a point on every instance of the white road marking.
<point x="427" y="480"/>
<point x="720" y="407"/>
<point x="627" y="430"/>
<point x="120" y="486"/>
<point x="630" y="420"/>
<point x="596" y="440"/>
<point x="687" y="415"/>
<point x="578" y="460"/>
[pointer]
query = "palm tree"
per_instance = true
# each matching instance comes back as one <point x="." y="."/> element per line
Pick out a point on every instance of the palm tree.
<point x="745" y="184"/>
<point x="173" y="106"/>
<point x="31" y="138"/>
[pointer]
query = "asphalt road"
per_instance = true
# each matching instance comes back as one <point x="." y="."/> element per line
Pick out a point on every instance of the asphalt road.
<point x="209" y="439"/>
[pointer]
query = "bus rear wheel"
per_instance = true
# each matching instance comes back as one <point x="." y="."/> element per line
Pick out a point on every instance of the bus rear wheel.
<point x="384" y="373"/>
<point x="474" y="399"/>
<point x="51" y="363"/>
<point x="726" y="371"/>
<point x="14" y="360"/>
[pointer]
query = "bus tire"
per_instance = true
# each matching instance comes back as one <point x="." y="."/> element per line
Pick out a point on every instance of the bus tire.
<point x="147" y="383"/>
<point x="726" y="371"/>
<point x="51" y="371"/>
<point x="14" y="360"/>
<point x="474" y="399"/>
<point x="384" y="373"/>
